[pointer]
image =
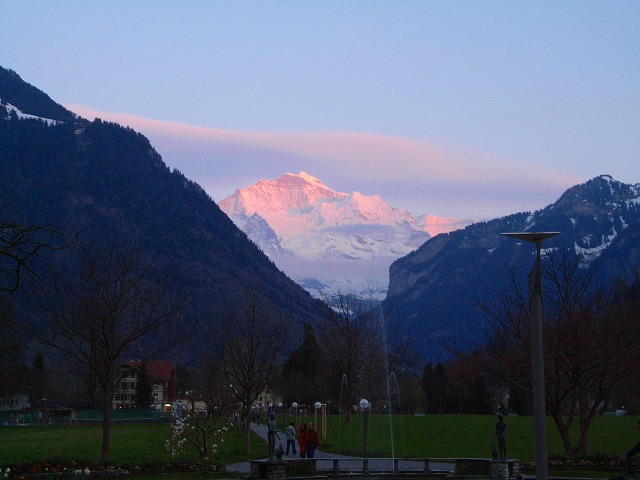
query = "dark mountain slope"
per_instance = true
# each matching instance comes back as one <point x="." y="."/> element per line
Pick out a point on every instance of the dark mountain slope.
<point x="435" y="291"/>
<point x="29" y="99"/>
<point x="109" y="180"/>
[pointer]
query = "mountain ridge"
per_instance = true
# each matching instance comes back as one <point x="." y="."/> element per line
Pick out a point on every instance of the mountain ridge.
<point x="29" y="99"/>
<point x="436" y="290"/>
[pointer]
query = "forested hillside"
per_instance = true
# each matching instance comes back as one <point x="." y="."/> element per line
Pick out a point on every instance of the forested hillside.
<point x="436" y="291"/>
<point x="109" y="183"/>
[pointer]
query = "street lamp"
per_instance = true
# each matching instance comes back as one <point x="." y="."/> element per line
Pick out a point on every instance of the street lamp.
<point x="294" y="405"/>
<point x="537" y="350"/>
<point x="317" y="406"/>
<point x="364" y="406"/>
<point x="45" y="418"/>
<point x="322" y="426"/>
<point x="323" y="414"/>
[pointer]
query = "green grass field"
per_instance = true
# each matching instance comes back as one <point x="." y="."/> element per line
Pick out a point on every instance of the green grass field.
<point x="130" y="444"/>
<point x="444" y="436"/>
<point x="429" y="436"/>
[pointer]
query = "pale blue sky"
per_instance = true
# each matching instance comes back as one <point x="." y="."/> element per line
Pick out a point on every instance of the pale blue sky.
<point x="464" y="108"/>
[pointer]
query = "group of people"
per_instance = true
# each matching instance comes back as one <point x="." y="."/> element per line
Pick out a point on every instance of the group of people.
<point x="307" y="440"/>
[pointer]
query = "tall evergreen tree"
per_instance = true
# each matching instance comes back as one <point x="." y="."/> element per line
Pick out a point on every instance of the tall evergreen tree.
<point x="300" y="371"/>
<point x="144" y="388"/>
<point x="39" y="377"/>
<point x="435" y="383"/>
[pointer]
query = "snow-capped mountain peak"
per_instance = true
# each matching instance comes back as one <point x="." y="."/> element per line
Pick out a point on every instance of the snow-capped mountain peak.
<point x="310" y="179"/>
<point x="305" y="226"/>
<point x="290" y="193"/>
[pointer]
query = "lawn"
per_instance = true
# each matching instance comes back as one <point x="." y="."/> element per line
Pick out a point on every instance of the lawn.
<point x="130" y="443"/>
<point x="444" y="436"/>
<point x="429" y="436"/>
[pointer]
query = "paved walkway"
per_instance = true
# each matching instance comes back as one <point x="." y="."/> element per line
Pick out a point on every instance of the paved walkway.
<point x="261" y="431"/>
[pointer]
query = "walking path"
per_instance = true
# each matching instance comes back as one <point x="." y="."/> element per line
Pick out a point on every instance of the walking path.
<point x="261" y="431"/>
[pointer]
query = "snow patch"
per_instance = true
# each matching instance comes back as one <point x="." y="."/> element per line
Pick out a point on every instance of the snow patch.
<point x="21" y="115"/>
<point x="591" y="253"/>
<point x="623" y="223"/>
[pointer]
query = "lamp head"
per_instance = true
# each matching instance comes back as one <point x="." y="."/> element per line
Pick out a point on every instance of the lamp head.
<point x="533" y="237"/>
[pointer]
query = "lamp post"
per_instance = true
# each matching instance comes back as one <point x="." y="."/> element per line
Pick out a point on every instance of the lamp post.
<point x="537" y="350"/>
<point x="322" y="426"/>
<point x="294" y="405"/>
<point x="45" y="418"/>
<point x="317" y="406"/>
<point x="326" y="416"/>
<point x="323" y="414"/>
<point x="364" y="406"/>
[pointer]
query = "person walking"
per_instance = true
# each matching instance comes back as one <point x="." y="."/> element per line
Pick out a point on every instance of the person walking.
<point x="501" y="435"/>
<point x="290" y="432"/>
<point x="272" y="432"/>
<point x="313" y="441"/>
<point x="302" y="439"/>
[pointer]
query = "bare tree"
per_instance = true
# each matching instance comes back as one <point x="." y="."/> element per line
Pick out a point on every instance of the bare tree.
<point x="589" y="352"/>
<point x="100" y="315"/>
<point x="248" y="343"/>
<point x="213" y="391"/>
<point x="20" y="244"/>
<point x="11" y="353"/>
<point x="343" y="345"/>
<point x="357" y="342"/>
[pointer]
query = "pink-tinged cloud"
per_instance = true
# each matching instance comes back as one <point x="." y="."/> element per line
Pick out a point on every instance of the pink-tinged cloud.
<point x="373" y="162"/>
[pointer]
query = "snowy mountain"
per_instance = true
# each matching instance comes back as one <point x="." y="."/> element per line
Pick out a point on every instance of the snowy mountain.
<point x="327" y="240"/>
<point x="435" y="291"/>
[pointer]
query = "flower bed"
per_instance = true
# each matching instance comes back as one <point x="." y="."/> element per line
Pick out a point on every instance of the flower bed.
<point x="84" y="470"/>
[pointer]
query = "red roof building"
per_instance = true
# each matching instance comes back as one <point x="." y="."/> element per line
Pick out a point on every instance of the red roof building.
<point x="162" y="374"/>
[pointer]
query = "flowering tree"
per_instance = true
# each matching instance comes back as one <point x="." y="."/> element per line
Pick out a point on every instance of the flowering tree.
<point x="200" y="429"/>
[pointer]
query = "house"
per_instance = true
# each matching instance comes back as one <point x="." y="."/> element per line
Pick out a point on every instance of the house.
<point x="162" y="374"/>
<point x="266" y="400"/>
<point x="500" y="398"/>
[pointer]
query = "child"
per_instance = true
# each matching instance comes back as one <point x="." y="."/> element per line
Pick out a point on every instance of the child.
<point x="302" y="439"/>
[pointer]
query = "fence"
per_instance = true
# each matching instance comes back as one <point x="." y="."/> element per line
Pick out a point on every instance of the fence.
<point x="53" y="416"/>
